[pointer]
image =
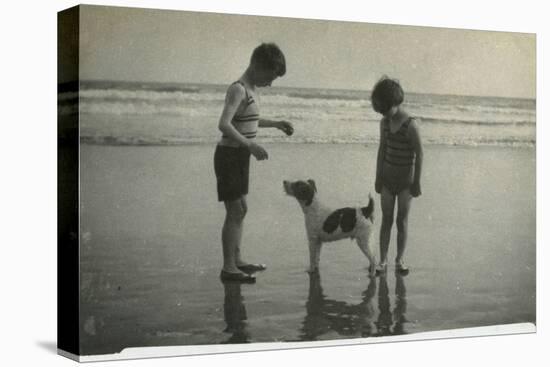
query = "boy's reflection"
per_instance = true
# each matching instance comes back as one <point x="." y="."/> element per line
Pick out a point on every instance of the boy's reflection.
<point x="391" y="323"/>
<point x="400" y="309"/>
<point x="327" y="315"/>
<point x="235" y="314"/>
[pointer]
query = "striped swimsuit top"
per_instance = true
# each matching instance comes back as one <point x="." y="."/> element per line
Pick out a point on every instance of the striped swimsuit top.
<point x="246" y="121"/>
<point x="399" y="150"/>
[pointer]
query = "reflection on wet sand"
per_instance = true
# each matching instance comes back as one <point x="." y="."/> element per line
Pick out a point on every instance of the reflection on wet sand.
<point x="235" y="314"/>
<point x="391" y="323"/>
<point x="354" y="320"/>
<point x="326" y="315"/>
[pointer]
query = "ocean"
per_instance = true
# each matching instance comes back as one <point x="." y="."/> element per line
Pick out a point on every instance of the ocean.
<point x="139" y="113"/>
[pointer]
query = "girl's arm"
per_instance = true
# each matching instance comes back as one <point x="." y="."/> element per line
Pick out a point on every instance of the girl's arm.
<point x="380" y="159"/>
<point x="233" y="99"/>
<point x="284" y="126"/>
<point x="414" y="134"/>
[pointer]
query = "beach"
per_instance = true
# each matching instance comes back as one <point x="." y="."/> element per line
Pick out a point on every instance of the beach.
<point x="150" y="228"/>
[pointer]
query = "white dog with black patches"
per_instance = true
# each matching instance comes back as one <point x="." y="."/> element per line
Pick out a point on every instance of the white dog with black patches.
<point x="326" y="225"/>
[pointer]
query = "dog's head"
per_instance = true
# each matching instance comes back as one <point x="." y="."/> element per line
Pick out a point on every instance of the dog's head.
<point x="303" y="191"/>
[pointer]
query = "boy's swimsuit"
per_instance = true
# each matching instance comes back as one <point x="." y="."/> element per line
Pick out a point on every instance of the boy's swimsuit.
<point x="246" y="121"/>
<point x="399" y="157"/>
<point x="231" y="160"/>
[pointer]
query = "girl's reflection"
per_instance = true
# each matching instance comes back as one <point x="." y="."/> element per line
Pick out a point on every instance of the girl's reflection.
<point x="391" y="323"/>
<point x="235" y="314"/>
<point x="400" y="309"/>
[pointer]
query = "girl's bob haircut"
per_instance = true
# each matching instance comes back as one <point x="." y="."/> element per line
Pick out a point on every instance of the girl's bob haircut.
<point x="386" y="94"/>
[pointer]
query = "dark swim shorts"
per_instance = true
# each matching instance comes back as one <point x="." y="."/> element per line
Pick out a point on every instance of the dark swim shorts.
<point x="232" y="170"/>
<point x="397" y="178"/>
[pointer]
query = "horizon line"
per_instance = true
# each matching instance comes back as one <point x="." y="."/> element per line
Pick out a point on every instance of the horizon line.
<point x="293" y="87"/>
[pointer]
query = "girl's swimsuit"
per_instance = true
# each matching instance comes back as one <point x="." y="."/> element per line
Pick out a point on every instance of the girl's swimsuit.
<point x="399" y="157"/>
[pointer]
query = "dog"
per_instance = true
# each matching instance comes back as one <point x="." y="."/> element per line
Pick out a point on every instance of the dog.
<point x="326" y="225"/>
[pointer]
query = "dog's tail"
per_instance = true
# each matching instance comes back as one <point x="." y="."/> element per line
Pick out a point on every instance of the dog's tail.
<point x="368" y="211"/>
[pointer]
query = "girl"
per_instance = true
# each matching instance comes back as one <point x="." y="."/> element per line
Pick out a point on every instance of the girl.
<point x="398" y="166"/>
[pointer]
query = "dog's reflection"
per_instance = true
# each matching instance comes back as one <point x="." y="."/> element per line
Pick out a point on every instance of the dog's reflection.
<point x="235" y="314"/>
<point x="326" y="315"/>
<point x="392" y="323"/>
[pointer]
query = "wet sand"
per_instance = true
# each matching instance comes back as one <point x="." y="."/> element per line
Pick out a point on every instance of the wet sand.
<point x="151" y="252"/>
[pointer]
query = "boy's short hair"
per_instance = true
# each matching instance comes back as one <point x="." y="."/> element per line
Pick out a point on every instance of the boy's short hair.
<point x="386" y="94"/>
<point x="269" y="56"/>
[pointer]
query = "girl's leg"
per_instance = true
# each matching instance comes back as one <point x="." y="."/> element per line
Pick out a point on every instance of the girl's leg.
<point x="387" y="201"/>
<point x="403" y="206"/>
<point x="232" y="233"/>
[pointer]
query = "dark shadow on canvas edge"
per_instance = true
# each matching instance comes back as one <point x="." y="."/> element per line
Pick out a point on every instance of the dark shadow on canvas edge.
<point x="48" y="345"/>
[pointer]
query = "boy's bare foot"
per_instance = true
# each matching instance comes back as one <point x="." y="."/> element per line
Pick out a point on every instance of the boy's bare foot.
<point x="252" y="268"/>
<point x="226" y="276"/>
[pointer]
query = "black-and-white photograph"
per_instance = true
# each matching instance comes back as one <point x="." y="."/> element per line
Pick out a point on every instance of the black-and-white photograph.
<point x="258" y="179"/>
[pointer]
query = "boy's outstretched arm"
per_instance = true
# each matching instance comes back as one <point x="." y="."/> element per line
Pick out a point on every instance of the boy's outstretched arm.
<point x="380" y="159"/>
<point x="419" y="152"/>
<point x="235" y="95"/>
<point x="284" y="126"/>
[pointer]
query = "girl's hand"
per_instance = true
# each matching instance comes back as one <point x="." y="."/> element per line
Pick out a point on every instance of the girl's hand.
<point x="286" y="127"/>
<point x="415" y="190"/>
<point x="257" y="151"/>
<point x="378" y="186"/>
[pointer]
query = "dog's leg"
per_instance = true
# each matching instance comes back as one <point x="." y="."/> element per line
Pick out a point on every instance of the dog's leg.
<point x="314" y="254"/>
<point x="318" y="254"/>
<point x="363" y="243"/>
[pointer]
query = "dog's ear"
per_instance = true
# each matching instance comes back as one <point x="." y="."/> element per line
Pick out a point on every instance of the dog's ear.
<point x="312" y="184"/>
<point x="368" y="211"/>
<point x="305" y="192"/>
<point x="309" y="196"/>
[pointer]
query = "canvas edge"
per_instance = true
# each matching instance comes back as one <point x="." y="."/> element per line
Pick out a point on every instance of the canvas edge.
<point x="193" y="350"/>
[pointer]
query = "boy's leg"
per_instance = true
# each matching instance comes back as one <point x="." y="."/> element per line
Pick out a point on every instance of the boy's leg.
<point x="232" y="233"/>
<point x="238" y="259"/>
<point x="403" y="206"/>
<point x="387" y="201"/>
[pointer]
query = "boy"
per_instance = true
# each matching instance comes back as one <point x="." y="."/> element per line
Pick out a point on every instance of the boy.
<point x="239" y="123"/>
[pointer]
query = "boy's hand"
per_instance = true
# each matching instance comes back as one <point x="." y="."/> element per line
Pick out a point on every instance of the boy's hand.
<point x="415" y="190"/>
<point x="257" y="151"/>
<point x="378" y="186"/>
<point x="286" y="127"/>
